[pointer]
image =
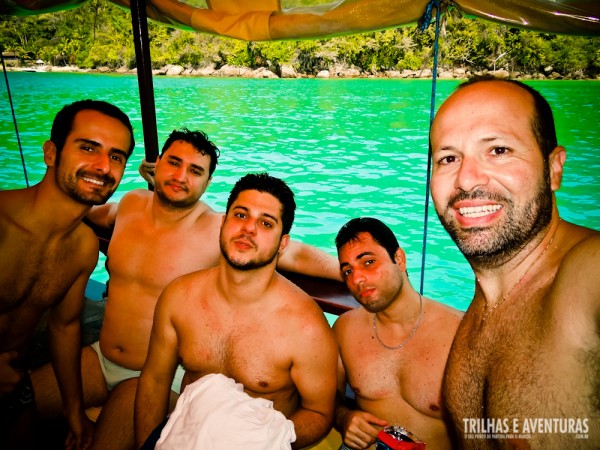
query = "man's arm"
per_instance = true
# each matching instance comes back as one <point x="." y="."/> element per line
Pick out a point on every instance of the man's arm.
<point x="308" y="260"/>
<point x="103" y="215"/>
<point x="64" y="332"/>
<point x="146" y="170"/>
<point x="354" y="425"/>
<point x="154" y="387"/>
<point x="313" y="374"/>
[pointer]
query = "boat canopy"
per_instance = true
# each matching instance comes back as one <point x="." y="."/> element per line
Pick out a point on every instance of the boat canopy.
<point x="264" y="20"/>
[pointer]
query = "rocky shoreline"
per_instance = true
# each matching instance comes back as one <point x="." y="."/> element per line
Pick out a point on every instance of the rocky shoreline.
<point x="287" y="71"/>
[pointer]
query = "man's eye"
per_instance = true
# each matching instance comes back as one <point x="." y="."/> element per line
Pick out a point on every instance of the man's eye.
<point x="369" y="262"/>
<point x="447" y="160"/>
<point x="500" y="151"/>
<point x="173" y="163"/>
<point x="267" y="224"/>
<point x="118" y="158"/>
<point x="346" y="272"/>
<point x="240" y="215"/>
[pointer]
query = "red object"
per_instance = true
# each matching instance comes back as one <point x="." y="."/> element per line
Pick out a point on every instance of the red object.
<point x="395" y="444"/>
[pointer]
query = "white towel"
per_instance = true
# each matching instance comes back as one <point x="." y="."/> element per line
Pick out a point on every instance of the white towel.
<point x="214" y="413"/>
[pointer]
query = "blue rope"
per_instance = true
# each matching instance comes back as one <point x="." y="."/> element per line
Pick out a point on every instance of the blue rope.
<point x="12" y="109"/>
<point x="423" y="24"/>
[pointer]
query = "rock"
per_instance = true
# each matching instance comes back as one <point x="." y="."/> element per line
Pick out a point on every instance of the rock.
<point x="288" y="71"/>
<point x="174" y="70"/>
<point x="232" y="71"/>
<point x="262" y="72"/>
<point x="446" y="75"/>
<point x="323" y="74"/>
<point x="425" y="73"/>
<point x="500" y="73"/>
<point x="206" y="71"/>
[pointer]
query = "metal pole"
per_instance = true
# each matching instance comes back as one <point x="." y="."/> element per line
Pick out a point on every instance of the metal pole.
<point x="139" y="23"/>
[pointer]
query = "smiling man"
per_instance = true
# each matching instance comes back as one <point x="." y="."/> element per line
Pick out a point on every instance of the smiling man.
<point x="393" y="349"/>
<point x="47" y="255"/>
<point x="158" y="236"/>
<point x="245" y="322"/>
<point x="528" y="347"/>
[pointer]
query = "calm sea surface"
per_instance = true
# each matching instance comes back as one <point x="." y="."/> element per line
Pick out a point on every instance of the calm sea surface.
<point x="347" y="148"/>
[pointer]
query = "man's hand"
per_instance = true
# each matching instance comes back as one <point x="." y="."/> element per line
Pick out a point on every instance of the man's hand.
<point x="81" y="433"/>
<point x="359" y="431"/>
<point x="9" y="376"/>
<point x="146" y="170"/>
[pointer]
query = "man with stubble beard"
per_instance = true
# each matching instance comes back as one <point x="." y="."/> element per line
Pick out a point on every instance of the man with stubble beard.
<point x="523" y="371"/>
<point x="242" y="321"/>
<point x="47" y="257"/>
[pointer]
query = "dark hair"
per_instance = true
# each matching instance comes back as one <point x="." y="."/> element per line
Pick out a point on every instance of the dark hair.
<point x="380" y="232"/>
<point x="542" y="120"/>
<point x="199" y="140"/>
<point x="63" y="122"/>
<point x="263" y="182"/>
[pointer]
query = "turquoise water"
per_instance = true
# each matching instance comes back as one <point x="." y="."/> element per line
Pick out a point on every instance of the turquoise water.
<point x="346" y="147"/>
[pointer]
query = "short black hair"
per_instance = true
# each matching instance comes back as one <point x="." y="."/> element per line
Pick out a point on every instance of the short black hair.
<point x="263" y="182"/>
<point x="63" y="122"/>
<point x="542" y="121"/>
<point x="380" y="232"/>
<point x="199" y="140"/>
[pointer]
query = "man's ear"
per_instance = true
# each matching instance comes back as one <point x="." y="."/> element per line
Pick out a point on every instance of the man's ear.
<point x="285" y="240"/>
<point x="49" y="153"/>
<point x="400" y="259"/>
<point x="556" y="162"/>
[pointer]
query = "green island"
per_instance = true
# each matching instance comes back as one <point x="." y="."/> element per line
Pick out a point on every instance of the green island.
<point x="98" y="36"/>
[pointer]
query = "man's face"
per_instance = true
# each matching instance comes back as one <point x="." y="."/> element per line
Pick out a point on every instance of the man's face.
<point x="490" y="184"/>
<point x="181" y="175"/>
<point x="373" y="279"/>
<point x="251" y="234"/>
<point x="93" y="158"/>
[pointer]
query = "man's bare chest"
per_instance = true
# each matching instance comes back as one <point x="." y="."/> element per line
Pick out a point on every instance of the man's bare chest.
<point x="169" y="252"/>
<point x="519" y="368"/>
<point x="258" y="360"/>
<point x="402" y="376"/>
<point x="36" y="273"/>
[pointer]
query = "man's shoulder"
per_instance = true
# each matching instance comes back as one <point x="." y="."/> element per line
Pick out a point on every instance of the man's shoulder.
<point x="136" y="195"/>
<point x="578" y="275"/>
<point x="133" y="201"/>
<point x="444" y="311"/>
<point x="352" y="321"/>
<point x="87" y="244"/>
<point x="581" y="251"/>
<point x="12" y="201"/>
<point x="196" y="280"/>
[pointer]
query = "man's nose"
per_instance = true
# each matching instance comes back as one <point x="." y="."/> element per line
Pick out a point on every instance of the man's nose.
<point x="250" y="226"/>
<point x="471" y="174"/>
<point x="102" y="163"/>
<point x="358" y="277"/>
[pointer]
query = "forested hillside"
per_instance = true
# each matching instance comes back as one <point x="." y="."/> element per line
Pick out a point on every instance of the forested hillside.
<point x="99" y="34"/>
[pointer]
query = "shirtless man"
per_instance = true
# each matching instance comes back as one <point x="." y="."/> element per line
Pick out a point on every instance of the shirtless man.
<point x="393" y="349"/>
<point x="48" y="256"/>
<point x="158" y="236"/>
<point x="527" y="351"/>
<point x="245" y="321"/>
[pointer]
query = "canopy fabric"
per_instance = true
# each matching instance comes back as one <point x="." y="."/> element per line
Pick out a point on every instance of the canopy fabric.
<point x="262" y="20"/>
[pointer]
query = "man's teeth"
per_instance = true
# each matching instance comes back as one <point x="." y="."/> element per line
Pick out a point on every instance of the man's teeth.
<point x="479" y="211"/>
<point x="94" y="181"/>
